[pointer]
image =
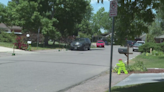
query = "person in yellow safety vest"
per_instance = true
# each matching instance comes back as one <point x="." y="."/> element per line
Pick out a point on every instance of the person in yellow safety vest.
<point x="121" y="66"/>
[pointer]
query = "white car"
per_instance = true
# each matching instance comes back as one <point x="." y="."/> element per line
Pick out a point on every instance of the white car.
<point x="137" y="44"/>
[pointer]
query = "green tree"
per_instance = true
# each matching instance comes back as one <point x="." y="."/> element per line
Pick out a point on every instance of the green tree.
<point x="157" y="27"/>
<point x="2" y="12"/>
<point x="101" y="20"/>
<point x="85" y="26"/>
<point x="55" y="18"/>
<point x="133" y="18"/>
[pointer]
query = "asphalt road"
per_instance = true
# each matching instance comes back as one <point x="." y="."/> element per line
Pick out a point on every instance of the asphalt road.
<point x="53" y="71"/>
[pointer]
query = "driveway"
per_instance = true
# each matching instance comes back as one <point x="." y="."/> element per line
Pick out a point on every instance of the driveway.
<point x="53" y="71"/>
<point x="5" y="52"/>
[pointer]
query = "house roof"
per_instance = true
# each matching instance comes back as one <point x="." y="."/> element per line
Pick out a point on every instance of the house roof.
<point x="143" y="37"/>
<point x="3" y="26"/>
<point x="159" y="37"/>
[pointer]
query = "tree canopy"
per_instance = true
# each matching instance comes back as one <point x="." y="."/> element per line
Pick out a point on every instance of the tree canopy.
<point x="54" y="17"/>
<point x="62" y="18"/>
<point x="133" y="18"/>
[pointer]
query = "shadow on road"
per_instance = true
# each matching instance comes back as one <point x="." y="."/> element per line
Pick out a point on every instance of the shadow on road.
<point x="97" y="49"/>
<point x="92" y="49"/>
<point x="71" y="63"/>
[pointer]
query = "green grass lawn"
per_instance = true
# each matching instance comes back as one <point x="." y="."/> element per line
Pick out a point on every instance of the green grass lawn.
<point x="5" y="44"/>
<point x="150" y="61"/>
<point x="147" y="87"/>
<point x="34" y="46"/>
<point x="40" y="46"/>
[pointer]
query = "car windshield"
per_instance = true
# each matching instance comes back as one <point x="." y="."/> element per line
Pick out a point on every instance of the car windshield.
<point x="138" y="44"/>
<point x="79" y="39"/>
<point x="100" y="42"/>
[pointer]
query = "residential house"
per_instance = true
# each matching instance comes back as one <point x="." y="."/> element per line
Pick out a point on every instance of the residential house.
<point x="159" y="39"/>
<point x="143" y="37"/>
<point x="17" y="30"/>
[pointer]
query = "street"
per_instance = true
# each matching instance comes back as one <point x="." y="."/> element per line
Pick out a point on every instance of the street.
<point x="53" y="71"/>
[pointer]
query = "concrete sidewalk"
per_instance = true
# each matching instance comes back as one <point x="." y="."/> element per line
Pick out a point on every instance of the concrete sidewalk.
<point x="4" y="51"/>
<point x="140" y="78"/>
<point x="98" y="84"/>
<point x="101" y="83"/>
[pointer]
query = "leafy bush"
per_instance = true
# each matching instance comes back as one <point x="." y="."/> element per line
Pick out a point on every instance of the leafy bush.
<point x="137" y="66"/>
<point x="20" y="43"/>
<point x="161" y="46"/>
<point x="83" y="35"/>
<point x="146" y="47"/>
<point x="7" y="37"/>
<point x="157" y="53"/>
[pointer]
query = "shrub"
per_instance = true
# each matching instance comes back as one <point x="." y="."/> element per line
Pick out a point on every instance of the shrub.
<point x="7" y="37"/>
<point x="161" y="46"/>
<point x="20" y="44"/>
<point x="137" y="66"/>
<point x="157" y="53"/>
<point x="146" y="47"/>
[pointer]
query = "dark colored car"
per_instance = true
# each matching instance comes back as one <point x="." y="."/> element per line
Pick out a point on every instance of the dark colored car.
<point x="130" y="43"/>
<point x="81" y="44"/>
<point x="106" y="43"/>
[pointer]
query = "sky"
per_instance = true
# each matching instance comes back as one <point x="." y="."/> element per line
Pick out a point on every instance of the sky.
<point x="96" y="6"/>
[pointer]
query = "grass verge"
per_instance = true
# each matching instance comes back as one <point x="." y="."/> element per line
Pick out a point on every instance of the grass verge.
<point x="150" y="61"/>
<point x="147" y="87"/>
<point x="40" y="46"/>
<point x="5" y="44"/>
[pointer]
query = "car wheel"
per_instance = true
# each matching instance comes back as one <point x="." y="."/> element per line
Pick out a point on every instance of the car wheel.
<point x="71" y="49"/>
<point x="85" y="48"/>
<point x="89" y="48"/>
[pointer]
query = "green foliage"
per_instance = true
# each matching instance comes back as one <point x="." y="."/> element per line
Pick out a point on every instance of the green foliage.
<point x="146" y="47"/>
<point x="101" y="20"/>
<point x="2" y="12"/>
<point x="133" y="18"/>
<point x="108" y="39"/>
<point x="55" y="18"/>
<point x="154" y="53"/>
<point x="162" y="46"/>
<point x="7" y="37"/>
<point x="138" y="66"/>
<point x="150" y="38"/>
<point x="85" y="26"/>
<point x="144" y="87"/>
<point x="83" y="35"/>
<point x="157" y="53"/>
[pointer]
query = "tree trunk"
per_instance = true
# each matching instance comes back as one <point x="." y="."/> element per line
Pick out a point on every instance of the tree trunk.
<point x="54" y="42"/>
<point x="46" y="41"/>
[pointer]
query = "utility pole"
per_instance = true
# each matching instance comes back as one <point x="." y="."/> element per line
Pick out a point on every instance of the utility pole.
<point x="38" y="37"/>
<point x="112" y="13"/>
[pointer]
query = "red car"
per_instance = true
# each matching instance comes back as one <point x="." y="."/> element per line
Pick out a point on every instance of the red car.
<point x="100" y="43"/>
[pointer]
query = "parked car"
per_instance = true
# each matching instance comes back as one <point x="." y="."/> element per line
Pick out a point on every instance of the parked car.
<point x="106" y="43"/>
<point x="81" y="44"/>
<point x="100" y="43"/>
<point x="137" y="44"/>
<point x="130" y="43"/>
